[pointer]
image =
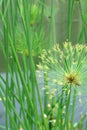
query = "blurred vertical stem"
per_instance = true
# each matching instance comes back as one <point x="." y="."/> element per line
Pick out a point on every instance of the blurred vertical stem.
<point x="51" y="24"/>
<point x="42" y="14"/>
<point x="5" y="28"/>
<point x="12" y="26"/>
<point x="83" y="22"/>
<point x="70" y="11"/>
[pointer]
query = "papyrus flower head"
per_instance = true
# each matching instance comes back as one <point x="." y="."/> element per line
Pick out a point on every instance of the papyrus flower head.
<point x="68" y="63"/>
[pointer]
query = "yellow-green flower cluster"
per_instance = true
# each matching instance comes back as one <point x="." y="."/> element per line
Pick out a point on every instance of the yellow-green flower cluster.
<point x="35" y="14"/>
<point x="67" y="61"/>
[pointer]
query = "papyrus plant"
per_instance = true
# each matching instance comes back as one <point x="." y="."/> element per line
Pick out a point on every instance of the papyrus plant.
<point x="65" y="68"/>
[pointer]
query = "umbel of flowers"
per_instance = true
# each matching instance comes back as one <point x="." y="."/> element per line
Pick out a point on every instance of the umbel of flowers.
<point x="65" y="74"/>
<point x="68" y="61"/>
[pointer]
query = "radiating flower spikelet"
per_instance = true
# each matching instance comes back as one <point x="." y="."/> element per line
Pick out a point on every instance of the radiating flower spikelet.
<point x="69" y="63"/>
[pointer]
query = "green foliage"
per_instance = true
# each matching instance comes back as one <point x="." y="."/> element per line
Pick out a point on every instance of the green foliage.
<point x="62" y="69"/>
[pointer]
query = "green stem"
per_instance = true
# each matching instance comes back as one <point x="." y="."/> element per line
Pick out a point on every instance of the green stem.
<point x="73" y="108"/>
<point x="46" y="90"/>
<point x="68" y="95"/>
<point x="83" y="22"/>
<point x="70" y="11"/>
